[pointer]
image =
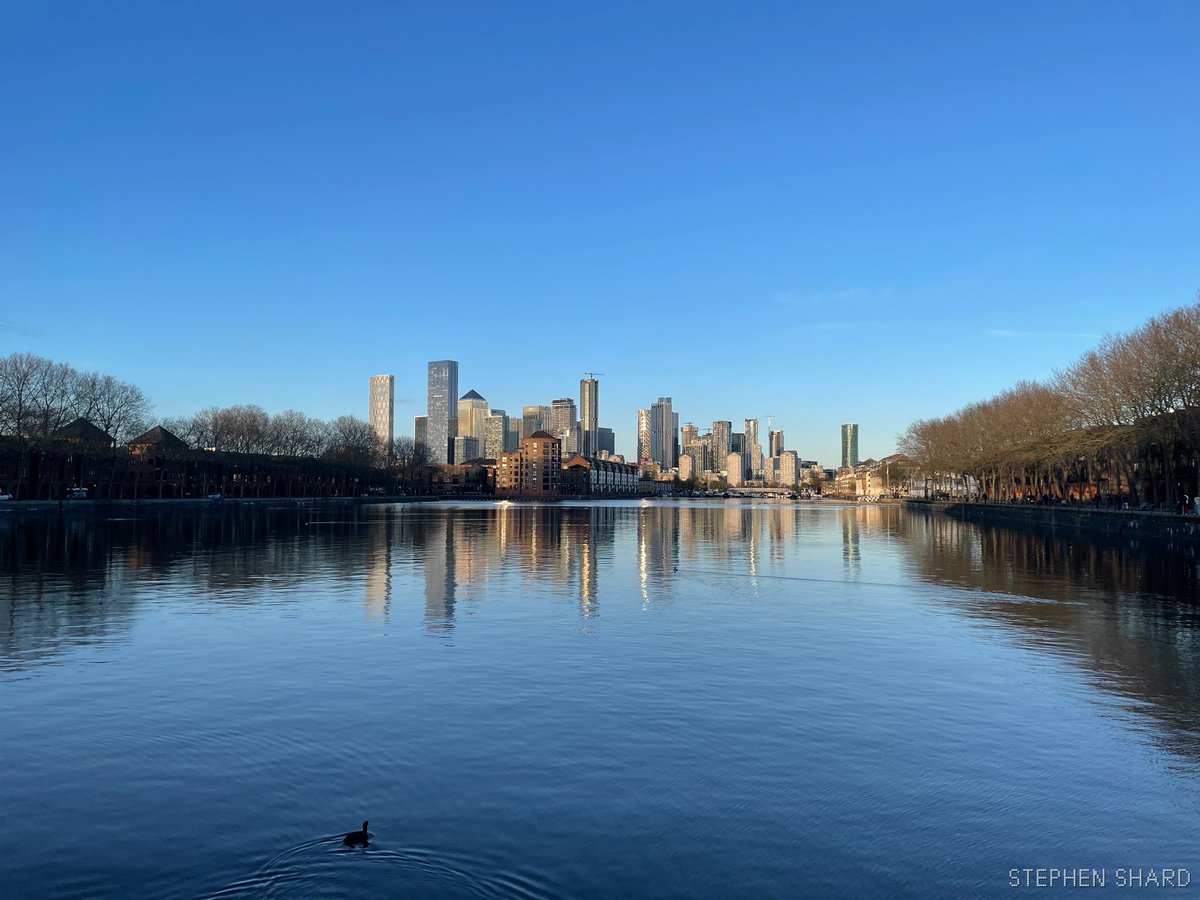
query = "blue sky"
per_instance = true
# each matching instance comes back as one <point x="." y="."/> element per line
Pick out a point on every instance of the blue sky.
<point x="825" y="212"/>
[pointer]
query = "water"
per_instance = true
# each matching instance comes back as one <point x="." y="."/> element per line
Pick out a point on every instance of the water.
<point x="618" y="700"/>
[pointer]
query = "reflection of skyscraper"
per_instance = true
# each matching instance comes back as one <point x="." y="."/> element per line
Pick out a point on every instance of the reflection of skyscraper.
<point x="383" y="409"/>
<point x="589" y="415"/>
<point x="441" y="427"/>
<point x="378" y="585"/>
<point x="849" y="446"/>
<point x="439" y="566"/>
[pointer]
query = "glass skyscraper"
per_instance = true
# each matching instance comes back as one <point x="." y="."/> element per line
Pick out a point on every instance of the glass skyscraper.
<point x="382" y="407"/>
<point x="589" y="416"/>
<point x="849" y="446"/>
<point x="442" y="409"/>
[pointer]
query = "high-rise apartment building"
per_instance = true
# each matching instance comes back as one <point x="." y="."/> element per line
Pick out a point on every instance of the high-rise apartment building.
<point x="383" y="409"/>
<point x="441" y="409"/>
<point x="754" y="455"/>
<point x="722" y="441"/>
<point x="512" y="435"/>
<point x="776" y="443"/>
<point x="787" y="468"/>
<point x="466" y="447"/>
<point x="589" y="416"/>
<point x="472" y="411"/>
<point x="849" y="446"/>
<point x="643" y="437"/>
<point x="495" y="431"/>
<point x="534" y="418"/>
<point x="690" y="435"/>
<point x="735" y="469"/>
<point x="664" y="434"/>
<point x="562" y="417"/>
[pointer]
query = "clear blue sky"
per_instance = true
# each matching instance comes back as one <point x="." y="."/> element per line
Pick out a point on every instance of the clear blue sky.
<point x="828" y="212"/>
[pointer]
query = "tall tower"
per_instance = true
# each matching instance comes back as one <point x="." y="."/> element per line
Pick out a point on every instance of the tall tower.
<point x="472" y="411"/>
<point x="849" y="446"/>
<point x="534" y="418"/>
<point x="754" y="457"/>
<point x="643" y="437"/>
<point x="722" y="440"/>
<point x="589" y="415"/>
<point x="562" y="416"/>
<point x="664" y="433"/>
<point x="442" y="425"/>
<point x="776" y="443"/>
<point x="383" y="409"/>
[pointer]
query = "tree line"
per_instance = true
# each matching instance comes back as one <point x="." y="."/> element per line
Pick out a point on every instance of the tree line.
<point x="1121" y="424"/>
<point x="39" y="396"/>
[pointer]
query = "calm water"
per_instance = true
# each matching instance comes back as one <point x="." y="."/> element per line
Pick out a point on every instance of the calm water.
<point x="626" y="700"/>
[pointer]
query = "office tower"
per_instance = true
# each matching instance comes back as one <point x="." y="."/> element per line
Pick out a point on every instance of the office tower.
<point x="534" y="418"/>
<point x="849" y="446"/>
<point x="495" y="431"/>
<point x="383" y="409"/>
<point x="643" y="436"/>
<point x="562" y="416"/>
<point x="753" y="449"/>
<point x="421" y="430"/>
<point x="737" y="442"/>
<point x="606" y="441"/>
<point x="512" y="435"/>
<point x="722" y="441"/>
<point x="690" y="435"/>
<point x="472" y="411"/>
<point x="465" y="448"/>
<point x="589" y="416"/>
<point x="442" y="412"/>
<point x="776" y="443"/>
<point x="664" y="433"/>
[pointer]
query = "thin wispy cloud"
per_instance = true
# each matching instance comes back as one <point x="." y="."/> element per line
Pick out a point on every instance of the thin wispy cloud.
<point x="1009" y="333"/>
<point x="12" y="326"/>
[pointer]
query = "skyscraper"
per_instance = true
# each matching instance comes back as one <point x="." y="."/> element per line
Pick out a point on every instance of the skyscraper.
<point x="562" y="417"/>
<point x="664" y="433"/>
<point x="421" y="430"/>
<point x="442" y="426"/>
<point x="606" y="441"/>
<point x="495" y="429"/>
<point x="589" y="416"/>
<point x="754" y="454"/>
<point x="849" y="446"/>
<point x="383" y="409"/>
<point x="776" y="443"/>
<point x="643" y="437"/>
<point x="534" y="418"/>
<point x="722" y="441"/>
<point x="690" y="435"/>
<point x="472" y="411"/>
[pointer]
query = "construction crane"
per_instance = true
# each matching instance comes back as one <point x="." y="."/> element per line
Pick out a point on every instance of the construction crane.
<point x="592" y="375"/>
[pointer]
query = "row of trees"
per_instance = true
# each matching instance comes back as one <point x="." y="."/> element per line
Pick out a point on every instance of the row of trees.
<point x="39" y="396"/>
<point x="1121" y="422"/>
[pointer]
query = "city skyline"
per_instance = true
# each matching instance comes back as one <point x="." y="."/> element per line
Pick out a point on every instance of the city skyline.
<point x="917" y="241"/>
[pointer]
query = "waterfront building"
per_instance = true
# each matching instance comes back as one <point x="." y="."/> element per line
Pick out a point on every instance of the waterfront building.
<point x="697" y="452"/>
<point x="495" y="431"/>
<point x="382" y="406"/>
<point x="421" y="430"/>
<point x="754" y="461"/>
<point x="687" y="466"/>
<point x="787" y="472"/>
<point x="735" y="468"/>
<point x="849" y="446"/>
<point x="721" y="441"/>
<point x="534" y="470"/>
<point x="776" y="438"/>
<point x="584" y="476"/>
<point x="664" y="433"/>
<point x="466" y="448"/>
<point x="643" y="437"/>
<point x="441" y="409"/>
<point x="472" y="411"/>
<point x="534" y="418"/>
<point x="589" y="415"/>
<point x="606" y="441"/>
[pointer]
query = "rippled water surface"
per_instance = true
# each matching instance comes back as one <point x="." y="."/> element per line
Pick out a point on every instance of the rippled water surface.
<point x="617" y="700"/>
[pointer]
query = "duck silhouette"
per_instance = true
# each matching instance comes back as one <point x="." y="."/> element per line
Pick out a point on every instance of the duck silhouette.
<point x="356" y="838"/>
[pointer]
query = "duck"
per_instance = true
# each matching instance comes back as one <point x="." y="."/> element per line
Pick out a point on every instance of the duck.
<point x="356" y="838"/>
